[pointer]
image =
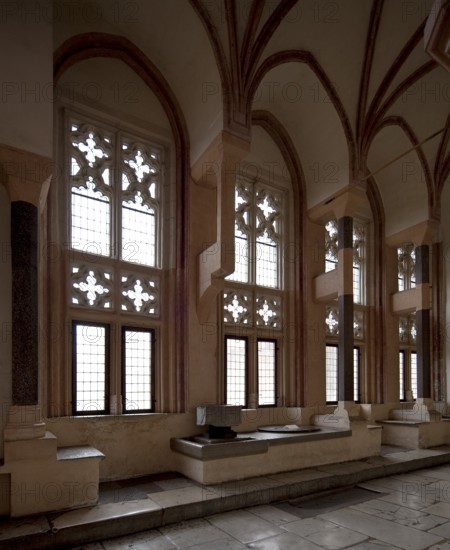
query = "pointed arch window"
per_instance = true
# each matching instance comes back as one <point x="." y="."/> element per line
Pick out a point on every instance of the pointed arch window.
<point x="252" y="301"/>
<point x="360" y="231"/>
<point x="114" y="217"/>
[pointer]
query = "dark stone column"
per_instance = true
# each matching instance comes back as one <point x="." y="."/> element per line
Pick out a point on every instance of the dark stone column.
<point x="423" y="325"/>
<point x="24" y="259"/>
<point x="345" y="301"/>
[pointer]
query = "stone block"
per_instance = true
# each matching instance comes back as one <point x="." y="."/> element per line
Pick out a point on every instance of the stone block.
<point x="218" y="415"/>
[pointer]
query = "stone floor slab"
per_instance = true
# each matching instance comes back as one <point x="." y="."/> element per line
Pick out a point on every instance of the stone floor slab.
<point x="441" y="509"/>
<point x="372" y="545"/>
<point x="442" y="530"/>
<point x="335" y="539"/>
<point x="440" y="472"/>
<point x="149" y="540"/>
<point x="93" y="546"/>
<point x="225" y="544"/>
<point x="441" y="546"/>
<point x="274" y="514"/>
<point x="309" y="526"/>
<point x="383" y="530"/>
<point x="412" y="501"/>
<point x="283" y="542"/>
<point x="244" y="526"/>
<point x="192" y="532"/>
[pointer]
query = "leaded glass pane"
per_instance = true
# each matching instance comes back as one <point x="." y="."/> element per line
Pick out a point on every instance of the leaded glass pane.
<point x="138" y="357"/>
<point x="90" y="368"/>
<point x="266" y="372"/>
<point x="235" y="363"/>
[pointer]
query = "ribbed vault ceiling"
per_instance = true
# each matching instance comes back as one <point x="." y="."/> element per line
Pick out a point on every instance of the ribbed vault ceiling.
<point x="349" y="81"/>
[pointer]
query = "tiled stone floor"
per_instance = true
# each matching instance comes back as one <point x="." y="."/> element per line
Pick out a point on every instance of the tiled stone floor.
<point x="398" y="500"/>
<point x="409" y="511"/>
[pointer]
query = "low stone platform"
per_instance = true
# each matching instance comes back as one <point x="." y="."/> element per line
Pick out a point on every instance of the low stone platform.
<point x="268" y="453"/>
<point x="248" y="443"/>
<point x="415" y="434"/>
<point x="154" y="503"/>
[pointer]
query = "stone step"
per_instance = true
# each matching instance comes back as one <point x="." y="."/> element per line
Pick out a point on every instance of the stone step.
<point x="78" y="452"/>
<point x="87" y="525"/>
<point x="46" y="478"/>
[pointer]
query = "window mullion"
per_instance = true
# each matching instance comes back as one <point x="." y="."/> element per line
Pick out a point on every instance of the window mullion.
<point x="253" y="254"/>
<point x="252" y="374"/>
<point x="116" y="342"/>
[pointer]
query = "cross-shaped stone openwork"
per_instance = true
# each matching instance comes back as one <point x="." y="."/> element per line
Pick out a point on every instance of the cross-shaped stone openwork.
<point x="357" y="328"/>
<point x="91" y="288"/>
<point x="266" y="208"/>
<point x="265" y="312"/>
<point x="90" y="150"/>
<point x="332" y="323"/>
<point x="137" y="295"/>
<point x="235" y="308"/>
<point x="139" y="167"/>
<point x="239" y="199"/>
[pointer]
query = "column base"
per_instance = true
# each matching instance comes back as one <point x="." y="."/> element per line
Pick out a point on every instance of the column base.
<point x="348" y="409"/>
<point x="24" y="422"/>
<point x="422" y="410"/>
<point x="343" y="415"/>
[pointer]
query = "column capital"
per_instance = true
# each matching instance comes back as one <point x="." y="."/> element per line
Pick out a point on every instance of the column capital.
<point x="26" y="175"/>
<point x="345" y="202"/>
<point x="421" y="233"/>
<point x="218" y="169"/>
<point x="225" y="150"/>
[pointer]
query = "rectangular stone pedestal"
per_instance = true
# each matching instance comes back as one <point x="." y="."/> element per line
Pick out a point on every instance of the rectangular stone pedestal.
<point x="415" y="435"/>
<point x="270" y="453"/>
<point x="44" y="478"/>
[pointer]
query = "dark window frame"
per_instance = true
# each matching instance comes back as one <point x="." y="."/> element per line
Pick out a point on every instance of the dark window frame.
<point x="245" y="339"/>
<point x="275" y="342"/>
<point x="107" y="327"/>
<point x="152" y="332"/>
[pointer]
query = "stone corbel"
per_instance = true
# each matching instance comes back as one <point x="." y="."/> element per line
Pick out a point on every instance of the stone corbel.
<point x="326" y="286"/>
<point x="345" y="202"/>
<point x="218" y="168"/>
<point x="27" y="176"/>
<point x="423" y="233"/>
